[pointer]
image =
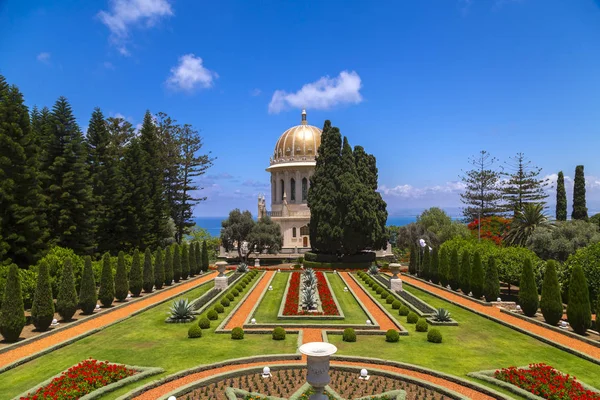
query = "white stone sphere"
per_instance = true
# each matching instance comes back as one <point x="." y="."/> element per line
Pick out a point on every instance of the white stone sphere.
<point x="97" y="306"/>
<point x="253" y="321"/>
<point x="54" y="321"/>
<point x="518" y="307"/>
<point x="498" y="299"/>
<point x="172" y="398"/>
<point x="364" y="373"/>
<point x="266" y="371"/>
<point x="369" y="322"/>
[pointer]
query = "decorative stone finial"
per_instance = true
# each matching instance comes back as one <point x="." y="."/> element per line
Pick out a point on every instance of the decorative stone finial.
<point x="304" y="117"/>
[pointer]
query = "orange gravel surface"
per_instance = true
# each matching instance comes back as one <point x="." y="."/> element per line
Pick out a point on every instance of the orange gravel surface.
<point x="564" y="340"/>
<point x="242" y="313"/>
<point x="381" y="318"/>
<point x="106" y="318"/>
<point x="311" y="335"/>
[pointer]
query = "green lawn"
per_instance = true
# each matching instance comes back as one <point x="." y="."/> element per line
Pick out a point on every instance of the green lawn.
<point x="146" y="340"/>
<point x="269" y="306"/>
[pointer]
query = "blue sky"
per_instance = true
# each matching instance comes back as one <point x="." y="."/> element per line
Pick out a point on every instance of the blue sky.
<point x="422" y="85"/>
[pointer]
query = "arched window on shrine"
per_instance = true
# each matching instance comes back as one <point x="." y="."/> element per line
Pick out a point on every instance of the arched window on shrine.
<point x="294" y="232"/>
<point x="304" y="189"/>
<point x="282" y="189"/>
<point x="293" y="189"/>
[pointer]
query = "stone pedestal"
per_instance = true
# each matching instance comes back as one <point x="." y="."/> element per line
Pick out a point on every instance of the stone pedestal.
<point x="256" y="262"/>
<point x="221" y="267"/>
<point x="395" y="269"/>
<point x="221" y="282"/>
<point x="396" y="285"/>
<point x="317" y="366"/>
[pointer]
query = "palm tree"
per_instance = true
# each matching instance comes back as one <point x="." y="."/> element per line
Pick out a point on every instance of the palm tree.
<point x="526" y="221"/>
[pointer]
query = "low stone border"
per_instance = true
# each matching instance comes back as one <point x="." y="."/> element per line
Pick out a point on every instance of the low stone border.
<point x="415" y="302"/>
<point x="143" y="372"/>
<point x="217" y="295"/>
<point x="221" y="327"/>
<point x="482" y="302"/>
<point x="433" y="322"/>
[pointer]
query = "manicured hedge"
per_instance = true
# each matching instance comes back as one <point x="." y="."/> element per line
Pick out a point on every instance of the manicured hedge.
<point x="278" y="333"/>
<point x="422" y="325"/>
<point x="392" y="336"/>
<point x="434" y="336"/>
<point x="194" y="332"/>
<point x="349" y="335"/>
<point x="237" y="333"/>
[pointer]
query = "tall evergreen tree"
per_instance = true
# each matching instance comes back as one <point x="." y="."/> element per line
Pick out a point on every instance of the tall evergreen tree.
<point x="477" y="276"/>
<point x="454" y="270"/>
<point x="192" y="259"/>
<point x="434" y="267"/>
<point x="106" y="293"/>
<point x="528" y="293"/>
<point x="551" y="302"/>
<point x="159" y="269"/>
<point x="579" y="313"/>
<point x="426" y="263"/>
<point x="204" y="256"/>
<point x="561" y="198"/>
<point x="482" y="195"/>
<point x="88" y="298"/>
<point x="443" y="268"/>
<point x="136" y="280"/>
<point x="176" y="263"/>
<point x="168" y="266"/>
<point x="412" y="264"/>
<point x="465" y="272"/>
<point x="42" y="310"/>
<point x="598" y="313"/>
<point x="580" y="210"/>
<point x="185" y="262"/>
<point x="198" y="254"/>
<point x="148" y="271"/>
<point x="491" y="287"/>
<point x="121" y="281"/>
<point x="67" y="301"/>
<point x="12" y="312"/>
<point x="522" y="184"/>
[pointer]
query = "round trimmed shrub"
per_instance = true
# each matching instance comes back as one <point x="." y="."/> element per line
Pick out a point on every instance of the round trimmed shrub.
<point x="434" y="336"/>
<point x="225" y="302"/>
<point x="412" y="318"/>
<point x="237" y="333"/>
<point x="349" y="335"/>
<point x="194" y="332"/>
<point x="278" y="333"/>
<point x="239" y="288"/>
<point x="219" y="308"/>
<point x="384" y="294"/>
<point x="390" y="299"/>
<point x="422" y="325"/>
<point x="396" y="304"/>
<point x="212" y="315"/>
<point x="204" y="323"/>
<point x="403" y="311"/>
<point x="379" y="290"/>
<point x="243" y="284"/>
<point x="230" y="296"/>
<point x="235" y="293"/>
<point x="392" y="336"/>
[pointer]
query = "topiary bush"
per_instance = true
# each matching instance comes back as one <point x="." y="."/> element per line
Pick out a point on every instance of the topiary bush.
<point x="194" y="332"/>
<point x="579" y="313"/>
<point x="491" y="286"/>
<point x="412" y="318"/>
<point x="390" y="299"/>
<point x="212" y="315"/>
<point x="349" y="335"/>
<point x="551" y="303"/>
<point x="204" y="323"/>
<point x="392" y="336"/>
<point x="237" y="333"/>
<point x="168" y="266"/>
<point x="528" y="294"/>
<point x="225" y="302"/>
<point x="136" y="281"/>
<point x="396" y="304"/>
<point x="464" y="277"/>
<point x="384" y="294"/>
<point x="434" y="336"/>
<point x="121" y="282"/>
<point x="219" y="308"/>
<point x="235" y="292"/>
<point x="278" y="333"/>
<point x="477" y="278"/>
<point x="88" y="298"/>
<point x="379" y="289"/>
<point x="148" y="272"/>
<point x="12" y="313"/>
<point x="176" y="262"/>
<point x="159" y="269"/>
<point x="422" y="325"/>
<point x="42" y="310"/>
<point x="230" y="296"/>
<point x="403" y="311"/>
<point x="67" y="301"/>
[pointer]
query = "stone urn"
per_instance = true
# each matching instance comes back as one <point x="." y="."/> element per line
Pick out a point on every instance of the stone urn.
<point x="317" y="366"/>
<point x="395" y="269"/>
<point x="221" y="267"/>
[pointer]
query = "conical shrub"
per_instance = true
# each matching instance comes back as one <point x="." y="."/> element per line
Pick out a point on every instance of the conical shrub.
<point x="136" y="280"/>
<point x="198" y="255"/>
<point x="412" y="263"/>
<point x="192" y="259"/>
<point x="67" y="301"/>
<point x="12" y="315"/>
<point x="168" y="266"/>
<point x="176" y="263"/>
<point x="88" y="298"/>
<point x="148" y="271"/>
<point x="579" y="311"/>
<point x="121" y="282"/>
<point x="42" y="309"/>
<point x="185" y="262"/>
<point x="491" y="287"/>
<point x="598" y="313"/>
<point x="159" y="269"/>
<point x="426" y="263"/>
<point x="465" y="272"/>
<point x="434" y="267"/>
<point x="477" y="276"/>
<point x="204" y="256"/>
<point x="551" y="302"/>
<point x="107" y="282"/>
<point x="528" y="294"/>
<point x="454" y="270"/>
<point x="443" y="267"/>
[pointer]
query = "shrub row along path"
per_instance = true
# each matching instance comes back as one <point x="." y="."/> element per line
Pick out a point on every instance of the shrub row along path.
<point x="107" y="317"/>
<point x="243" y="311"/>
<point x="495" y="312"/>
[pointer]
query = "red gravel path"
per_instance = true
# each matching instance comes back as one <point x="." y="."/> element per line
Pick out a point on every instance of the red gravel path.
<point x="242" y="313"/>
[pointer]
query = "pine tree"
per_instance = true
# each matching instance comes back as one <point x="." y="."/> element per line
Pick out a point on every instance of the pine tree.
<point x="88" y="298"/>
<point x="22" y="202"/>
<point x="412" y="263"/>
<point x="12" y="312"/>
<point x="107" y="282"/>
<point x="434" y="269"/>
<point x="477" y="278"/>
<point x="176" y="263"/>
<point x="148" y="271"/>
<point x="491" y="287"/>
<point x="528" y="294"/>
<point x="42" y="310"/>
<point x="481" y="196"/>
<point x="454" y="270"/>
<point x="204" y="256"/>
<point x="579" y="312"/>
<point x="185" y="262"/>
<point x="192" y="259"/>
<point x="67" y="301"/>
<point x="522" y="184"/>
<point x="551" y="302"/>
<point x="561" y="198"/>
<point x="465" y="272"/>
<point x="426" y="263"/>
<point x="443" y="268"/>
<point x="168" y="266"/>
<point x="159" y="269"/>
<point x="579" y="205"/>
<point x="198" y="254"/>
<point x="136" y="280"/>
<point x="121" y="282"/>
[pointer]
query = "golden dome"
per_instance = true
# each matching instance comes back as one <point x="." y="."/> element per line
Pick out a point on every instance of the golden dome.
<point x="299" y="143"/>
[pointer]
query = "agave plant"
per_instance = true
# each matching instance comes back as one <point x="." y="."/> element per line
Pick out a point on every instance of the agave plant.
<point x="309" y="278"/>
<point x="442" y="315"/>
<point x="243" y="267"/>
<point x="181" y="311"/>
<point x="308" y="298"/>
<point x="373" y="270"/>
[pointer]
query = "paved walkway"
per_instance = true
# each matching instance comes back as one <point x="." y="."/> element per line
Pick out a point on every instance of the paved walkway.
<point x="242" y="313"/>
<point x="564" y="340"/>
<point x="106" y="318"/>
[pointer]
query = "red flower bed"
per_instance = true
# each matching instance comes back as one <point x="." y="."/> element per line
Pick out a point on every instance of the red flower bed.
<point x="492" y="228"/>
<point x="329" y="307"/>
<point x="80" y="380"/>
<point x="546" y="382"/>
<point x="292" y="301"/>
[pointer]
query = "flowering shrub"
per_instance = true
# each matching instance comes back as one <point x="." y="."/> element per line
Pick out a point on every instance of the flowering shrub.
<point x="544" y="381"/>
<point x="292" y="300"/>
<point x="492" y="228"/>
<point x="80" y="380"/>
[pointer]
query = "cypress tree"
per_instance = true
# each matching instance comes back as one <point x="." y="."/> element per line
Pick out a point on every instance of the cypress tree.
<point x="528" y="294"/>
<point x="491" y="287"/>
<point x="88" y="298"/>
<point x="185" y="262"/>
<point x="579" y="205"/>
<point x="426" y="263"/>
<point x="192" y="259"/>
<point x="598" y="313"/>
<point x="168" y="267"/>
<point x="477" y="276"/>
<point x="434" y="269"/>
<point x="12" y="314"/>
<point x="443" y="268"/>
<point x="412" y="263"/>
<point x="561" y="198"/>
<point x="121" y="282"/>
<point x="159" y="269"/>
<point x="42" y="310"/>
<point x="204" y="256"/>
<point x="176" y="263"/>
<point x="136" y="280"/>
<point x="148" y="271"/>
<point x="551" y="302"/>
<point x="67" y="301"/>
<point x="465" y="272"/>
<point x="579" y="312"/>
<point x="454" y="270"/>
<point x="107" y="282"/>
<point x="198" y="254"/>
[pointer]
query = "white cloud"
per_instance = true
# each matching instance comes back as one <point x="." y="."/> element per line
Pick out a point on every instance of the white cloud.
<point x="409" y="191"/>
<point x="190" y="74"/>
<point x="124" y="14"/>
<point x="322" y="94"/>
<point x="255" y="92"/>
<point x="44" y="57"/>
